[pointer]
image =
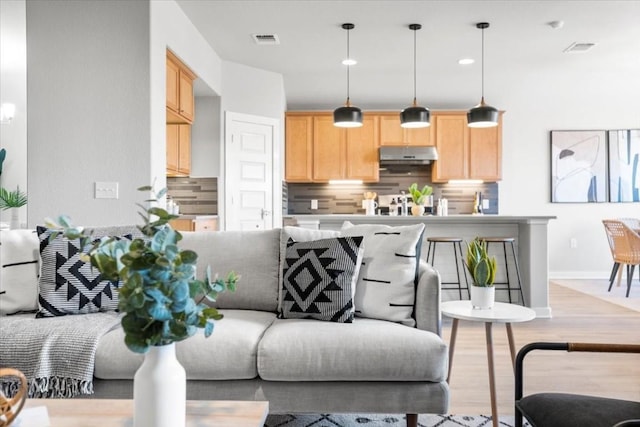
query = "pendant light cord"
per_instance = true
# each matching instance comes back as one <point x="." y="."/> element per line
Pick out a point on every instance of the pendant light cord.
<point x="414" y="68"/>
<point x="482" y="86"/>
<point x="348" y="65"/>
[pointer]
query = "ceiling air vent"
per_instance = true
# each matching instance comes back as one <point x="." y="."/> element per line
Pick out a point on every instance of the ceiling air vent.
<point x="266" y="38"/>
<point x="579" y="47"/>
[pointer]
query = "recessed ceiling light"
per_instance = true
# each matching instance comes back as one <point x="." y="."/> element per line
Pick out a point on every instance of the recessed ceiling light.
<point x="349" y="61"/>
<point x="466" y="61"/>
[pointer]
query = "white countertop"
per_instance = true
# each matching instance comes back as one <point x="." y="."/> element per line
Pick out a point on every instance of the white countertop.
<point x="451" y="219"/>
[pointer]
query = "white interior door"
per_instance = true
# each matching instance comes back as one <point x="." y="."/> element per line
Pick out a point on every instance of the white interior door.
<point x="250" y="172"/>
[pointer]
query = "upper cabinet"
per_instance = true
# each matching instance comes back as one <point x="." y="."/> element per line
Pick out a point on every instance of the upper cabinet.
<point x="178" y="150"/>
<point x="318" y="151"/>
<point x="464" y="152"/>
<point x="391" y="133"/>
<point x="180" y="102"/>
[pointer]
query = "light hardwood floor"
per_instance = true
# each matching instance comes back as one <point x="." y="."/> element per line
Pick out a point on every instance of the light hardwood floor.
<point x="577" y="317"/>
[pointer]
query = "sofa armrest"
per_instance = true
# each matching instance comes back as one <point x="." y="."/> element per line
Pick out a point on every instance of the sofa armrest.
<point x="427" y="307"/>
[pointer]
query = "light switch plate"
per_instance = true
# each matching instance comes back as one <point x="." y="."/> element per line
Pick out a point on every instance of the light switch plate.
<point x="485" y="203"/>
<point x="314" y="204"/>
<point x="106" y="190"/>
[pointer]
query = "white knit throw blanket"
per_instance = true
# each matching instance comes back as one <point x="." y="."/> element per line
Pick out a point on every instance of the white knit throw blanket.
<point x="56" y="354"/>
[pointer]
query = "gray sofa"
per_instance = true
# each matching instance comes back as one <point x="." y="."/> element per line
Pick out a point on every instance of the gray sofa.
<point x="297" y="365"/>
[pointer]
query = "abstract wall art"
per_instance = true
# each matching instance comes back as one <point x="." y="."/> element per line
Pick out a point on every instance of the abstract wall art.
<point x="624" y="165"/>
<point x="578" y="166"/>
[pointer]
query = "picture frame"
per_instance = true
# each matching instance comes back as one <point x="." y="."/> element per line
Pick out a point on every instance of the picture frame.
<point x="579" y="166"/>
<point x="624" y="165"/>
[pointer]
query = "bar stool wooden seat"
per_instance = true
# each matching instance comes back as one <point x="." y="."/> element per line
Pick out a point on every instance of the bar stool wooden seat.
<point x="509" y="285"/>
<point x="459" y="261"/>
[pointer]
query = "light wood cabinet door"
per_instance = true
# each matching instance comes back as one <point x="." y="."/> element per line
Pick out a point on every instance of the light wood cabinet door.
<point x="328" y="149"/>
<point x="181" y="224"/>
<point x="464" y="152"/>
<point x="180" y="100"/>
<point x="299" y="148"/>
<point x="362" y="160"/>
<point x="178" y="150"/>
<point x="205" y="224"/>
<point x="391" y="133"/>
<point x="452" y="135"/>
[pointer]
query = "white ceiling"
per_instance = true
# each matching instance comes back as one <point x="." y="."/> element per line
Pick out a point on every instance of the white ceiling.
<point x="519" y="42"/>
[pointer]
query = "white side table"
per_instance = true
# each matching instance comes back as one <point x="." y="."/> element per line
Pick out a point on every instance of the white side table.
<point x="500" y="313"/>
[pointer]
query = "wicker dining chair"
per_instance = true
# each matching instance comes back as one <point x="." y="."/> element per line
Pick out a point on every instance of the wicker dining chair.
<point x="624" y="243"/>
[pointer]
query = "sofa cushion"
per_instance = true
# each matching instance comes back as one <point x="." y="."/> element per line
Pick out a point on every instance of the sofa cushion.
<point x="229" y="353"/>
<point x="389" y="272"/>
<point x="68" y="285"/>
<point x="254" y="255"/>
<point x="18" y="271"/>
<point x="365" y="350"/>
<point x="319" y="278"/>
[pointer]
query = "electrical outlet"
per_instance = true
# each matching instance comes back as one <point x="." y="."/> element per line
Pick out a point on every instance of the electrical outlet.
<point x="573" y="243"/>
<point x="106" y="190"/>
<point x="314" y="204"/>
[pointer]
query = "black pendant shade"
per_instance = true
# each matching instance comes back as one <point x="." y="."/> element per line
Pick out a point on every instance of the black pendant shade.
<point x="347" y="116"/>
<point x="482" y="115"/>
<point x="415" y="116"/>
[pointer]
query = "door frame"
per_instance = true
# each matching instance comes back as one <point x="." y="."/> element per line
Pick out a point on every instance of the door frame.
<point x="277" y="173"/>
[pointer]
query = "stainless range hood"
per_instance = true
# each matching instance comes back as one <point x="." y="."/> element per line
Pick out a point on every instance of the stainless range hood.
<point x="408" y="155"/>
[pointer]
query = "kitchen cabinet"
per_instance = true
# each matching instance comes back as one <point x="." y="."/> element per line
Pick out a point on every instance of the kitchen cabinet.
<point x="464" y="152"/>
<point x="299" y="148"/>
<point x="340" y="153"/>
<point x="318" y="151"/>
<point x="178" y="150"/>
<point x="195" y="224"/>
<point x="180" y="102"/>
<point x="391" y="133"/>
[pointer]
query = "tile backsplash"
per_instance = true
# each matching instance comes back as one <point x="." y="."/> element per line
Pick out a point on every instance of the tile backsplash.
<point x="195" y="196"/>
<point x="347" y="199"/>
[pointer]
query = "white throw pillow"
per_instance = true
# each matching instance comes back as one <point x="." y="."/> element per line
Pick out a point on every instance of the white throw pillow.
<point x="19" y="259"/>
<point x="389" y="271"/>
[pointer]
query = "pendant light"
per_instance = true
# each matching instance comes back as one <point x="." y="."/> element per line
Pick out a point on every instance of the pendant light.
<point x="347" y="116"/>
<point x="482" y="115"/>
<point x="414" y="116"/>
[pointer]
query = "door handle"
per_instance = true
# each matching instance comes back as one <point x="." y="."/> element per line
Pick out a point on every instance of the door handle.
<point x="264" y="213"/>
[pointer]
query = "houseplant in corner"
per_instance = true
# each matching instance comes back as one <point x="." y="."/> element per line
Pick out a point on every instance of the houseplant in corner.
<point x="483" y="271"/>
<point x="162" y="302"/>
<point x="13" y="200"/>
<point x="419" y="197"/>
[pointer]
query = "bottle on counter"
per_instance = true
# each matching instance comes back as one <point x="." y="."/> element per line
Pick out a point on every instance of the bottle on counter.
<point x="393" y="207"/>
<point x="477" y="203"/>
<point x="404" y="207"/>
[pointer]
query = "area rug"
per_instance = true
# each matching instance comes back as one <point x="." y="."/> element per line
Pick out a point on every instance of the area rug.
<point x="382" y="420"/>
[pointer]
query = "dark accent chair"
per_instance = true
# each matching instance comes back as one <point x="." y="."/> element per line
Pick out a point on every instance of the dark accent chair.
<point x="573" y="410"/>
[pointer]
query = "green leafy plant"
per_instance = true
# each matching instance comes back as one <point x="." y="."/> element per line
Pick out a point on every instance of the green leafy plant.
<point x="12" y="199"/>
<point x="418" y="196"/>
<point x="481" y="267"/>
<point x="3" y="155"/>
<point x="162" y="300"/>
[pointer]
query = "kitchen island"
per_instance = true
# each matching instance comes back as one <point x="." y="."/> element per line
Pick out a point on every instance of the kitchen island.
<point x="530" y="233"/>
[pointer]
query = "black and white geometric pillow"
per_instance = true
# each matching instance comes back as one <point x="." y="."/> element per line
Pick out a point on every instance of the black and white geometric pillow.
<point x="319" y="279"/>
<point x="68" y="285"/>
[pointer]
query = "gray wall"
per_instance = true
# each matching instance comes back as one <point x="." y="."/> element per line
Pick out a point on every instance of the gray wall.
<point x="88" y="108"/>
<point x="205" y="138"/>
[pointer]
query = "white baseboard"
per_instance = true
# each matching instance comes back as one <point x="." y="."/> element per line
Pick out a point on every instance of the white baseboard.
<point x="591" y="275"/>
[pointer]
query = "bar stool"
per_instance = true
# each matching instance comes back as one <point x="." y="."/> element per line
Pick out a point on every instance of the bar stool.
<point x="504" y="241"/>
<point x="457" y="248"/>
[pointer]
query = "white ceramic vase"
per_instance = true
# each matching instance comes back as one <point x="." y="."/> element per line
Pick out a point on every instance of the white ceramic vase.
<point x="15" y="219"/>
<point x="417" y="210"/>
<point x="160" y="389"/>
<point x="482" y="297"/>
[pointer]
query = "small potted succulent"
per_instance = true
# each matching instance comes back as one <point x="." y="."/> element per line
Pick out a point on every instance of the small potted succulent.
<point x="13" y="201"/>
<point x="419" y="198"/>
<point x="482" y="268"/>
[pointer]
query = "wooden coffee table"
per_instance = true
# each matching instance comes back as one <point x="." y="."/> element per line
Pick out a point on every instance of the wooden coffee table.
<point x="119" y="413"/>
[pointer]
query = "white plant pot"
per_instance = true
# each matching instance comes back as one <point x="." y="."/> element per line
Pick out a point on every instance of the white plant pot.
<point x="417" y="210"/>
<point x="160" y="389"/>
<point x="482" y="297"/>
<point x="15" y="219"/>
